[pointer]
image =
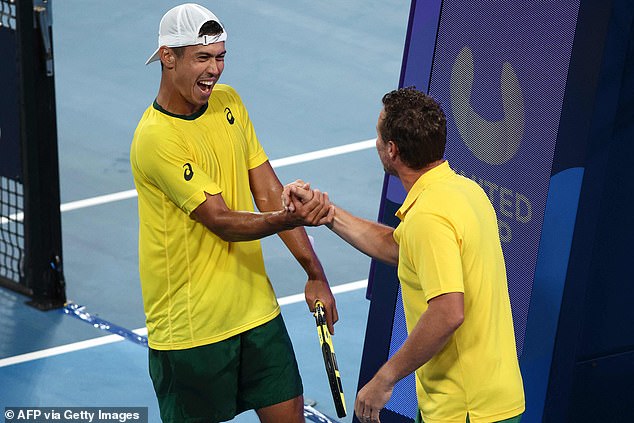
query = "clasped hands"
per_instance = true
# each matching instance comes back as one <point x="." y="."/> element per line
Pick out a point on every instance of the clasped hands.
<point x="312" y="206"/>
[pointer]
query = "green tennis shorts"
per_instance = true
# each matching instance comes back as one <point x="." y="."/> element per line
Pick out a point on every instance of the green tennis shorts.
<point x="216" y="382"/>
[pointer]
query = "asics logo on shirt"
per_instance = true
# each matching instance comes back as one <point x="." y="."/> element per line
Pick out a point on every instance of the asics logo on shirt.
<point x="229" y="115"/>
<point x="189" y="172"/>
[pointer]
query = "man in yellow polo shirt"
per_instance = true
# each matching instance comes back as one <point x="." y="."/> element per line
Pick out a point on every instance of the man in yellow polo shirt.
<point x="218" y="344"/>
<point x="461" y="342"/>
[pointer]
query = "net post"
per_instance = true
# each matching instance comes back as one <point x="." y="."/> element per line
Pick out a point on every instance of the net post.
<point x="42" y="221"/>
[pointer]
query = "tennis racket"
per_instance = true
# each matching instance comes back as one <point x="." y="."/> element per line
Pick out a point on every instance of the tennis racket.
<point x="330" y="361"/>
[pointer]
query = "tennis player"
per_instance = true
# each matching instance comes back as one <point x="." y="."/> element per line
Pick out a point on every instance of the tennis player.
<point x="461" y="342"/>
<point x="218" y="344"/>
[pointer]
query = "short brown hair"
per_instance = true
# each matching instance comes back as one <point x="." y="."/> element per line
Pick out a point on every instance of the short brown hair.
<point x="416" y="123"/>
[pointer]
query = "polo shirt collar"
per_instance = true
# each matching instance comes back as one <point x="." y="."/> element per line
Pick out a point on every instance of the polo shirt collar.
<point x="438" y="173"/>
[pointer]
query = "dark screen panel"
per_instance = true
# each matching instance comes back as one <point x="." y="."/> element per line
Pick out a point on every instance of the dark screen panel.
<point x="500" y="73"/>
<point x="500" y="69"/>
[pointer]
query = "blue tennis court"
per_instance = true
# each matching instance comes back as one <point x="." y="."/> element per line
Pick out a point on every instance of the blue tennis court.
<point x="312" y="75"/>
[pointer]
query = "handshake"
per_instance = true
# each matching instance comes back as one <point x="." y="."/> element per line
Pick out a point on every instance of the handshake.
<point x="310" y="206"/>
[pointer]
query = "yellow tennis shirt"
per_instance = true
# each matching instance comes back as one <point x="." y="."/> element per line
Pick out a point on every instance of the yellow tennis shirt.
<point x="449" y="242"/>
<point x="197" y="289"/>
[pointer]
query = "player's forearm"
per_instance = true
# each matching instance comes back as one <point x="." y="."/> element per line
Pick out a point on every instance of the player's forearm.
<point x="415" y="352"/>
<point x="299" y="245"/>
<point x="235" y="226"/>
<point x="371" y="238"/>
<point x="430" y="335"/>
<point x="296" y="240"/>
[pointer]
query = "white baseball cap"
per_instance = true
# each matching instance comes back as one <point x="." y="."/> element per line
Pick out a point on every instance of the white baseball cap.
<point x="180" y="27"/>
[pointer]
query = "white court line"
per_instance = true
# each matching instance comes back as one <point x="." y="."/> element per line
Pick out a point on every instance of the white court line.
<point x="124" y="195"/>
<point x="321" y="154"/>
<point x="285" y="161"/>
<point x="109" y="339"/>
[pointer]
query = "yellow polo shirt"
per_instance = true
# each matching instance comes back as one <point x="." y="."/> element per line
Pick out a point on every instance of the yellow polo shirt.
<point x="449" y="242"/>
<point x="197" y="289"/>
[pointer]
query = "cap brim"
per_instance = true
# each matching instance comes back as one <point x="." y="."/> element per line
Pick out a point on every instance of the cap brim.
<point x="154" y="57"/>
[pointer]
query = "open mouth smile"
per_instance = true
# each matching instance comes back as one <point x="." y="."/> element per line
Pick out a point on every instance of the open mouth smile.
<point x="205" y="86"/>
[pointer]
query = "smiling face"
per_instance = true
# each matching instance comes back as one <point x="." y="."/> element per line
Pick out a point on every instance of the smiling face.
<point x="190" y="75"/>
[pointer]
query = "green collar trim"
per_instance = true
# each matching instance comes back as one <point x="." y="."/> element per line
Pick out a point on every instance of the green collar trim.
<point x="193" y="116"/>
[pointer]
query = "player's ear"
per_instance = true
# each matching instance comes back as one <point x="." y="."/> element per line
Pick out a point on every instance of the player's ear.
<point x="167" y="57"/>
<point x="392" y="149"/>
